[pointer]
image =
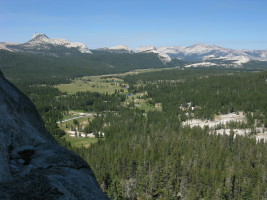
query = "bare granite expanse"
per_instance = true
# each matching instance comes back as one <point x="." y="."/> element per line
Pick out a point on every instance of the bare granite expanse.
<point x="261" y="133"/>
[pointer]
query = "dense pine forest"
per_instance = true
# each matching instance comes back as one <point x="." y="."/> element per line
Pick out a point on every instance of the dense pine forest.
<point x="149" y="154"/>
<point x="44" y="69"/>
<point x="153" y="157"/>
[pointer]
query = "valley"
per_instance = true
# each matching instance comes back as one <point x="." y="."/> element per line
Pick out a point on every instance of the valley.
<point x="158" y="130"/>
<point x="94" y="84"/>
<point x="114" y="83"/>
<point x="133" y="100"/>
<point x="105" y="84"/>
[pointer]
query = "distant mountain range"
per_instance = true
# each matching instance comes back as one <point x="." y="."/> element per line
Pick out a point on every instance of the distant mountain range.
<point x="203" y="52"/>
<point x="208" y="55"/>
<point x="40" y="43"/>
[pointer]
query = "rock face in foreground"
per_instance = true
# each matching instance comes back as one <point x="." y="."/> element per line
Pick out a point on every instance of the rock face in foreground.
<point x="32" y="164"/>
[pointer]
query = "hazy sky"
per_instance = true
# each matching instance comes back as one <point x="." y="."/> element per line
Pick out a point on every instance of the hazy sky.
<point x="228" y="23"/>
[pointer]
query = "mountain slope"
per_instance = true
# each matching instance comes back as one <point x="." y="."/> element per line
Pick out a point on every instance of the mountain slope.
<point x="32" y="164"/>
<point x="46" y="69"/>
<point x="204" y="52"/>
<point x="40" y="43"/>
<point x="151" y="49"/>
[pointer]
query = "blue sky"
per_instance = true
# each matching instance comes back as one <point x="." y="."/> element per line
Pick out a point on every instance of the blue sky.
<point x="240" y="24"/>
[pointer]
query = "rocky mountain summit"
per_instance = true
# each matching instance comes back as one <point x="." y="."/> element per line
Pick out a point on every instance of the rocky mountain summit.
<point x="32" y="164"/>
<point x="40" y="43"/>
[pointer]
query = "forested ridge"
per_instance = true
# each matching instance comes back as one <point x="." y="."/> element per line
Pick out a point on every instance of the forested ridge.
<point x="151" y="155"/>
<point x="25" y="68"/>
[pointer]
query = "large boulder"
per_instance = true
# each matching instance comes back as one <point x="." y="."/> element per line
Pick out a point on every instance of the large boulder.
<point x="32" y="164"/>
